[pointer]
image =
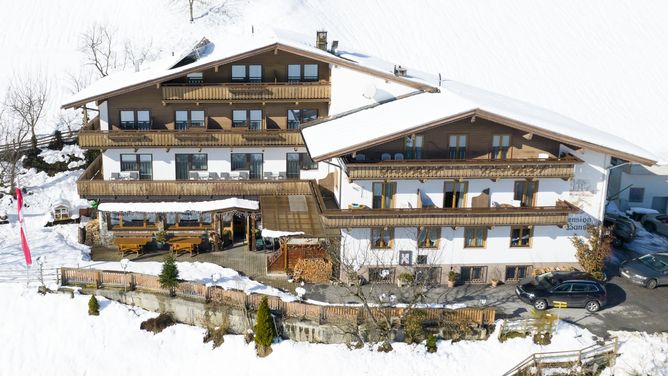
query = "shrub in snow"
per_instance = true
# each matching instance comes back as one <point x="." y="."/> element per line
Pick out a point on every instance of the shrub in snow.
<point x="169" y="276"/>
<point x="158" y="324"/>
<point x="93" y="306"/>
<point x="431" y="344"/>
<point x="385" y="347"/>
<point x="542" y="339"/>
<point x="215" y="335"/>
<point x="264" y="329"/>
<point x="592" y="254"/>
<point x="413" y="330"/>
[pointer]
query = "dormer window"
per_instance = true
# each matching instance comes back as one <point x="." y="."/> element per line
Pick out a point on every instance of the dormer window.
<point x="247" y="73"/>
<point x="195" y="78"/>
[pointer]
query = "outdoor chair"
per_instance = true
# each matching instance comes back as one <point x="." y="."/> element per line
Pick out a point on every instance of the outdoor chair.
<point x="225" y="175"/>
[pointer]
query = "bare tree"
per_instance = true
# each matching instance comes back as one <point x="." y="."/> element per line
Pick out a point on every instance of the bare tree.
<point x="98" y="46"/>
<point x="67" y="120"/>
<point x="26" y="100"/>
<point x="220" y="8"/>
<point x="78" y="81"/>
<point x="138" y="53"/>
<point x="13" y="132"/>
<point x="354" y="260"/>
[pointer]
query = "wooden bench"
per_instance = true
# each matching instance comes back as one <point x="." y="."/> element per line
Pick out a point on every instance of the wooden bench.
<point x="135" y="245"/>
<point x="182" y="244"/>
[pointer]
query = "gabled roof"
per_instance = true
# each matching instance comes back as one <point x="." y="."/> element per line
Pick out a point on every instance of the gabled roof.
<point x="342" y="135"/>
<point x="232" y="48"/>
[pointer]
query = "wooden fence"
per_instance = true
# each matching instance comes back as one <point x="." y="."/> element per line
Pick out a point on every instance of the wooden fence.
<point x="237" y="298"/>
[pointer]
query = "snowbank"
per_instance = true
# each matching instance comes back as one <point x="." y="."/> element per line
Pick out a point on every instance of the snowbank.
<point x="640" y="354"/>
<point x="64" y="155"/>
<point x="53" y="335"/>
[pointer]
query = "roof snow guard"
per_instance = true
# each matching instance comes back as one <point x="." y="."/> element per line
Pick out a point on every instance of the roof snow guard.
<point x="454" y="102"/>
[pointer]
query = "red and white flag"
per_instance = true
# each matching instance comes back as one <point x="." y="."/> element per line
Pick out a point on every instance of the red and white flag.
<point x="24" y="241"/>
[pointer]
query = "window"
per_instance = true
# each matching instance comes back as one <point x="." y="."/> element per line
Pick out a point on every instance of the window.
<point x="195" y="78"/>
<point x="383" y="195"/>
<point x="247" y="73"/>
<point x="428" y="237"/>
<point x="251" y="119"/>
<point x="475" y="237"/>
<point x="429" y="276"/>
<point x="520" y="236"/>
<point x="186" y="163"/>
<point x="473" y="274"/>
<point x="295" y="162"/>
<point x="61" y="213"/>
<point x="525" y="192"/>
<point x="413" y="147"/>
<point x="381" y="275"/>
<point x="131" y="219"/>
<point x="500" y="146"/>
<point x="457" y="146"/>
<point x="516" y="272"/>
<point x="185" y="119"/>
<point x="583" y="287"/>
<point x="251" y="162"/>
<point x="294" y="72"/>
<point x="421" y="260"/>
<point x="135" y="120"/>
<point x="381" y="237"/>
<point x="454" y="194"/>
<point x="143" y="163"/>
<point x="297" y="117"/>
<point x="566" y="287"/>
<point x="310" y="72"/>
<point x="636" y="194"/>
<point x="188" y="219"/>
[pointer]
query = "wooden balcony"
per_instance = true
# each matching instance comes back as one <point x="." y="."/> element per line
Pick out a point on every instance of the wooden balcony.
<point x="90" y="185"/>
<point x="543" y="215"/>
<point x="192" y="138"/>
<point x="463" y="169"/>
<point x="251" y="92"/>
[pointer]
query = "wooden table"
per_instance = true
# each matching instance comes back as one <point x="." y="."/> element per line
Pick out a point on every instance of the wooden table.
<point x="131" y="244"/>
<point x="190" y="245"/>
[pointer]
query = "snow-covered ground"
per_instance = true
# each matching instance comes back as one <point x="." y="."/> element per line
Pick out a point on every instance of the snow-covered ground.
<point x="53" y="335"/>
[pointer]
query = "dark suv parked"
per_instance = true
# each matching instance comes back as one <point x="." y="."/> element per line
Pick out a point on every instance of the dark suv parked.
<point x="623" y="228"/>
<point x="575" y="289"/>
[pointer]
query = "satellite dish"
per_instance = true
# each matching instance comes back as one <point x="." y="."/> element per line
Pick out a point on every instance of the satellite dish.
<point x="369" y="91"/>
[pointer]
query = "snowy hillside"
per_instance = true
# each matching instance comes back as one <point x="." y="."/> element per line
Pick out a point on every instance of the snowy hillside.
<point x="599" y="62"/>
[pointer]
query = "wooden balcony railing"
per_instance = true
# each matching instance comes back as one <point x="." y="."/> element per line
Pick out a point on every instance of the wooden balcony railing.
<point x="542" y="215"/>
<point x="90" y="185"/>
<point x="465" y="169"/>
<point x="253" y="92"/>
<point x="193" y="138"/>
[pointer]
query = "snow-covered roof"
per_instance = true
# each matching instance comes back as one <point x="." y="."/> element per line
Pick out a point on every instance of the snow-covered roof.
<point x="455" y="100"/>
<point x="228" y="48"/>
<point x="179" y="206"/>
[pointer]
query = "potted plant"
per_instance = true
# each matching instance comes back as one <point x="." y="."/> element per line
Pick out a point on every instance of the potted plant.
<point x="404" y="279"/>
<point x="495" y="279"/>
<point x="160" y="238"/>
<point x="452" y="278"/>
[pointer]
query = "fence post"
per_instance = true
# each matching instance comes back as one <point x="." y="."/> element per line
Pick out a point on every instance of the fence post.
<point x="321" y="319"/>
<point x="98" y="281"/>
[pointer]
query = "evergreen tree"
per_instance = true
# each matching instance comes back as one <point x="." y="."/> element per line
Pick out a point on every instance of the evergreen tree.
<point x="264" y="329"/>
<point x="93" y="306"/>
<point x="169" y="277"/>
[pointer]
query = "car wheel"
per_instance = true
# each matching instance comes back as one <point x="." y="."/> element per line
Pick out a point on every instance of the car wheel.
<point x="651" y="284"/>
<point x="649" y="226"/>
<point x="540" y="304"/>
<point x="592" y="306"/>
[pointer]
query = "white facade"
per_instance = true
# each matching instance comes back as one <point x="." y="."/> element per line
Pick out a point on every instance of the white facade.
<point x="218" y="160"/>
<point x="640" y="186"/>
<point x="550" y="245"/>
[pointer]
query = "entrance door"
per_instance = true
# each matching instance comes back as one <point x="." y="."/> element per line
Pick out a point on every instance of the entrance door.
<point x="255" y="168"/>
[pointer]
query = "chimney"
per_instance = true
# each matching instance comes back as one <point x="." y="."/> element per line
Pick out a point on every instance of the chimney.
<point x="321" y="40"/>
<point x="335" y="46"/>
<point x="400" y="71"/>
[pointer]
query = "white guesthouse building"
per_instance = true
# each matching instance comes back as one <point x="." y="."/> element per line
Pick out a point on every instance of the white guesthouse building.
<point x="411" y="172"/>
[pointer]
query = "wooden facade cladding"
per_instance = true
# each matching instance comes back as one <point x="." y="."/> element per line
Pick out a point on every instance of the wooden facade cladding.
<point x="173" y="138"/>
<point x="254" y="92"/>
<point x="545" y="215"/>
<point x="465" y="169"/>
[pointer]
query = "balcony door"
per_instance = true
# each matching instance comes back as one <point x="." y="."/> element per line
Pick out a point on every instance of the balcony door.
<point x="383" y="195"/>
<point x="454" y="194"/>
<point x="255" y="167"/>
<point x="186" y="163"/>
<point x="525" y="192"/>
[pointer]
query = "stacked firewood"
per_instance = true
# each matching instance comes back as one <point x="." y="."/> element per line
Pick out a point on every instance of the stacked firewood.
<point x="315" y="270"/>
<point x="93" y="232"/>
